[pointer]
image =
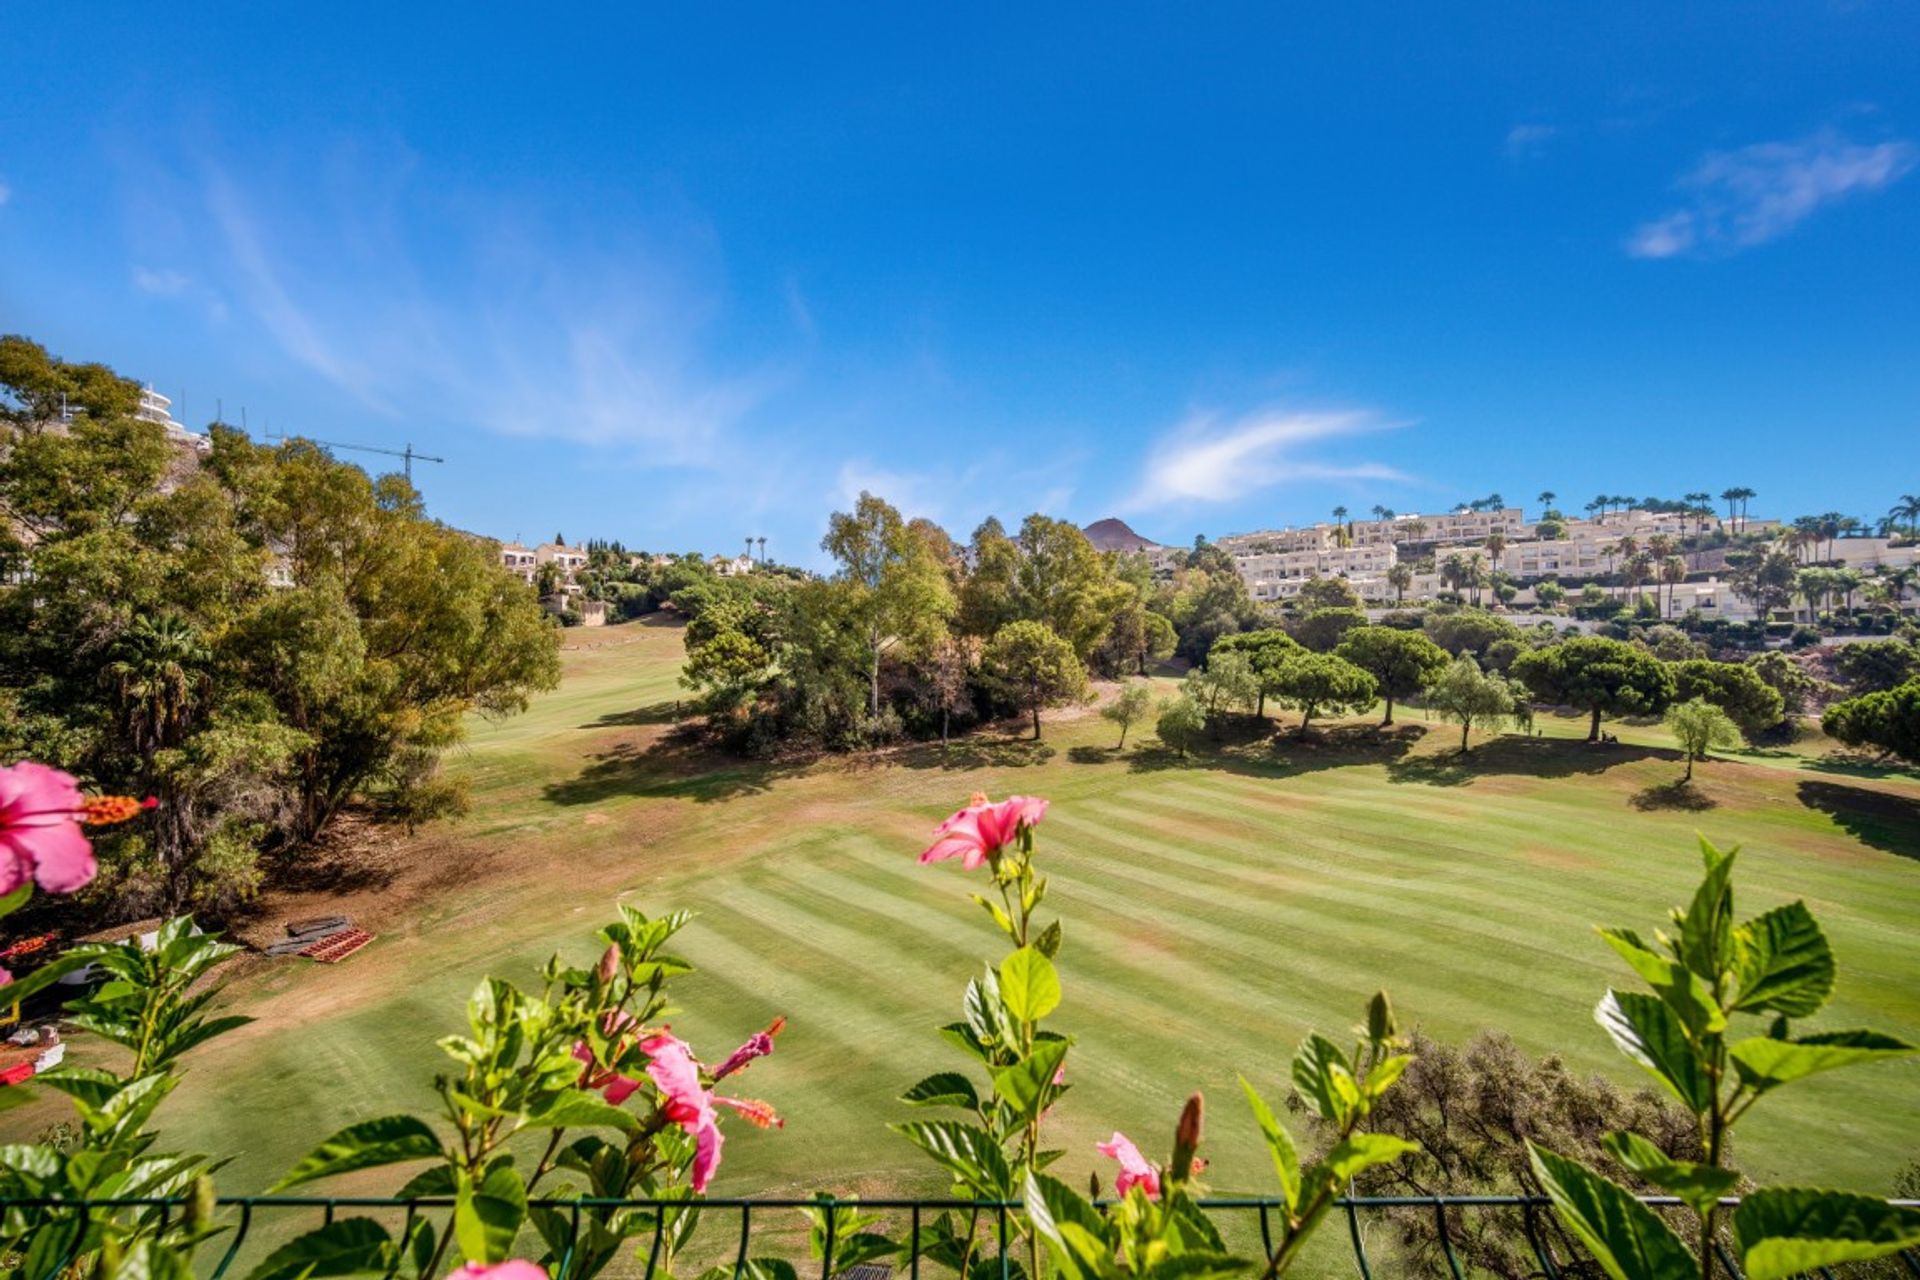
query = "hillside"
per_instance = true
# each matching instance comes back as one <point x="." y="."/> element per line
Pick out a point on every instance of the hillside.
<point x="1116" y="535"/>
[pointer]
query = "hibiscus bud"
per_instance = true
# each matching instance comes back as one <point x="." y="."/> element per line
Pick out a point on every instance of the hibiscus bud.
<point x="1093" y="1186"/>
<point x="1380" y="1026"/>
<point x="609" y="965"/>
<point x="1186" y="1137"/>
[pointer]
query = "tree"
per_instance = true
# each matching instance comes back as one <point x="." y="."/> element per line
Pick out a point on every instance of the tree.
<point x="1328" y="593"/>
<point x="1400" y="577"/>
<point x="1496" y="547"/>
<point x="1888" y="721"/>
<point x="1128" y="708"/>
<point x="1227" y="681"/>
<point x="1906" y="510"/>
<point x="1698" y="726"/>
<point x="1402" y="663"/>
<point x="1546" y="501"/>
<point x="1598" y="676"/>
<point x="1181" y="722"/>
<point x="1062" y="581"/>
<point x="1265" y="650"/>
<point x="1673" y="572"/>
<point x="1322" y="629"/>
<point x="949" y="678"/>
<point x="1734" y="687"/>
<point x="1871" y="666"/>
<point x="1785" y="677"/>
<point x="1765" y="580"/>
<point x="1035" y="667"/>
<point x="1469" y="631"/>
<point x="896" y="586"/>
<point x="1467" y="696"/>
<point x="1315" y="682"/>
<point x="1551" y="595"/>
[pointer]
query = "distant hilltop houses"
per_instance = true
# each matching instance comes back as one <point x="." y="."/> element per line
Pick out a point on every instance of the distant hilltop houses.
<point x="562" y="592"/>
<point x="1409" y="559"/>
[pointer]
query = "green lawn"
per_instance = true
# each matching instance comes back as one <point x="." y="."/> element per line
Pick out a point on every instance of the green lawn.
<point x="1213" y="911"/>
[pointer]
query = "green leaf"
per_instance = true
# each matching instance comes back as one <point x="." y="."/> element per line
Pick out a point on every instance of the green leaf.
<point x="388" y="1140"/>
<point x="1028" y="1085"/>
<point x="1286" y="1159"/>
<point x="346" y="1247"/>
<point x="1315" y="1068"/>
<point x="1706" y="930"/>
<point x="1676" y="985"/>
<point x="1628" y="1240"/>
<point x="1386" y="1073"/>
<point x="12" y="902"/>
<point x="1052" y="1206"/>
<point x="1029" y="984"/>
<point x="943" y="1089"/>
<point x="1782" y="963"/>
<point x="1196" y="1265"/>
<point x="986" y="1011"/>
<point x="1700" y="1185"/>
<point x="1049" y="940"/>
<point x="1649" y="1032"/>
<point x="576" y="1109"/>
<point x="147" y="1260"/>
<point x="1765" y="1063"/>
<point x="486" y="1218"/>
<point x="971" y="1154"/>
<point x="1784" y="1231"/>
<point x="1363" y="1151"/>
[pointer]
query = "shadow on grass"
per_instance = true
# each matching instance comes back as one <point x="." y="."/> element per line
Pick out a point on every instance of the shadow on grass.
<point x="1679" y="794"/>
<point x="1534" y="757"/>
<point x="1858" y="764"/>
<point x="668" y="712"/>
<point x="975" y="753"/>
<point x="683" y="765"/>
<point x="1254" y="751"/>
<point x="1878" y="818"/>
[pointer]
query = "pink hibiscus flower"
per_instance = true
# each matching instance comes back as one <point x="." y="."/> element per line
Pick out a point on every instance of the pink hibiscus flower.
<point x="40" y="838"/>
<point x="690" y="1104"/>
<point x="512" y="1269"/>
<point x="983" y="828"/>
<point x="758" y="1045"/>
<point x="1134" y="1169"/>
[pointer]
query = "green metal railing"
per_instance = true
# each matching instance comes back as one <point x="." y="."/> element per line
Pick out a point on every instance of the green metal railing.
<point x="245" y="1216"/>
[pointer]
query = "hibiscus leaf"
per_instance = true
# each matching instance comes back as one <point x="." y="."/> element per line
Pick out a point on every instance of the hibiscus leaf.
<point x="346" y="1247"/>
<point x="1055" y="1210"/>
<point x="1286" y="1159"/>
<point x="971" y="1154"/>
<point x="576" y="1110"/>
<point x="943" y="1089"/>
<point x="1627" y="1239"/>
<point x="1783" y="963"/>
<point x="1700" y="1185"/>
<point x="487" y="1217"/>
<point x="1028" y="1085"/>
<point x="1765" y="1063"/>
<point x="1652" y="1034"/>
<point x="1029" y="984"/>
<point x="388" y="1140"/>
<point x="1786" y="1231"/>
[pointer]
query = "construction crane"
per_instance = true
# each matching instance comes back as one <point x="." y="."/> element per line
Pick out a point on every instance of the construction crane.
<point x="407" y="453"/>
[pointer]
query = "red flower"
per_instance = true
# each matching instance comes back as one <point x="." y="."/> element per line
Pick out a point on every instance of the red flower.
<point x="40" y="837"/>
<point x="983" y="829"/>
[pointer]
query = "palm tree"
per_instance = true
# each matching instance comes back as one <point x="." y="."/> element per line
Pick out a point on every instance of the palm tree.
<point x="1476" y="575"/>
<point x="1700" y="512"/>
<point x="1599" y="504"/>
<point x="1732" y="498"/>
<point x="159" y="674"/>
<point x="1907" y="509"/>
<point x="1416" y="530"/>
<point x="1546" y="501"/>
<point x="1638" y="571"/>
<point x="763" y="549"/>
<point x="1496" y="543"/>
<point x="1673" y="572"/>
<point x="1339" y="518"/>
<point x="1400" y="577"/>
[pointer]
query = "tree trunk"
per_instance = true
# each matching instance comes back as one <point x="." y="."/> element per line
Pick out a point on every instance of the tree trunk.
<point x="1260" y="706"/>
<point x="1389" y="719"/>
<point x="1036" y="720"/>
<point x="1306" y="718"/>
<point x="1689" y="777"/>
<point x="873" y="682"/>
<point x="1465" y="725"/>
<point x="944" y="715"/>
<point x="1593" y="731"/>
<point x="1123" y="735"/>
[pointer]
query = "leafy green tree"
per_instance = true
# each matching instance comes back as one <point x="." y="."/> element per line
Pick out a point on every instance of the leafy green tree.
<point x="1699" y="726"/>
<point x="1598" y="676"/>
<point x="1317" y="682"/>
<point x="1318" y="593"/>
<point x="1734" y="687"/>
<point x="1035" y="667"/>
<point x="1128" y="708"/>
<point x="1887" y="721"/>
<point x="1401" y="662"/>
<point x="1785" y="677"/>
<point x="1466" y="696"/>
<point x="986" y="598"/>
<point x="1226" y="682"/>
<point x="1770" y="973"/>
<point x="896" y="585"/>
<point x="1181" y="722"/>
<point x="1062" y="581"/>
<point x="1468" y="631"/>
<point x="1765" y="579"/>
<point x="1265" y="650"/>
<point x="1873" y="666"/>
<point x="1322" y="629"/>
<point x="1551" y="595"/>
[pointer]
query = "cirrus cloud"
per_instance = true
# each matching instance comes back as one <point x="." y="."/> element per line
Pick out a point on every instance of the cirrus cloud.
<point x="1743" y="198"/>
<point x="1211" y="459"/>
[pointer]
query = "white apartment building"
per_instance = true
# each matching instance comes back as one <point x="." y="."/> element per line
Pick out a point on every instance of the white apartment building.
<point x="1316" y="537"/>
<point x="519" y="560"/>
<point x="157" y="408"/>
<point x="570" y="559"/>
<point x="1268" y="573"/>
<point x="1559" y="558"/>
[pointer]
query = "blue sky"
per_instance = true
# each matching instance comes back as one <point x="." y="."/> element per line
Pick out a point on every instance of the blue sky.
<point x="682" y="274"/>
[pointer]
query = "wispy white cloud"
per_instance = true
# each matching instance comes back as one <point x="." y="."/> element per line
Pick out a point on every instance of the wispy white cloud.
<point x="161" y="282"/>
<point x="1529" y="141"/>
<point x="1208" y="459"/>
<point x="420" y="305"/>
<point x="1735" y="200"/>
